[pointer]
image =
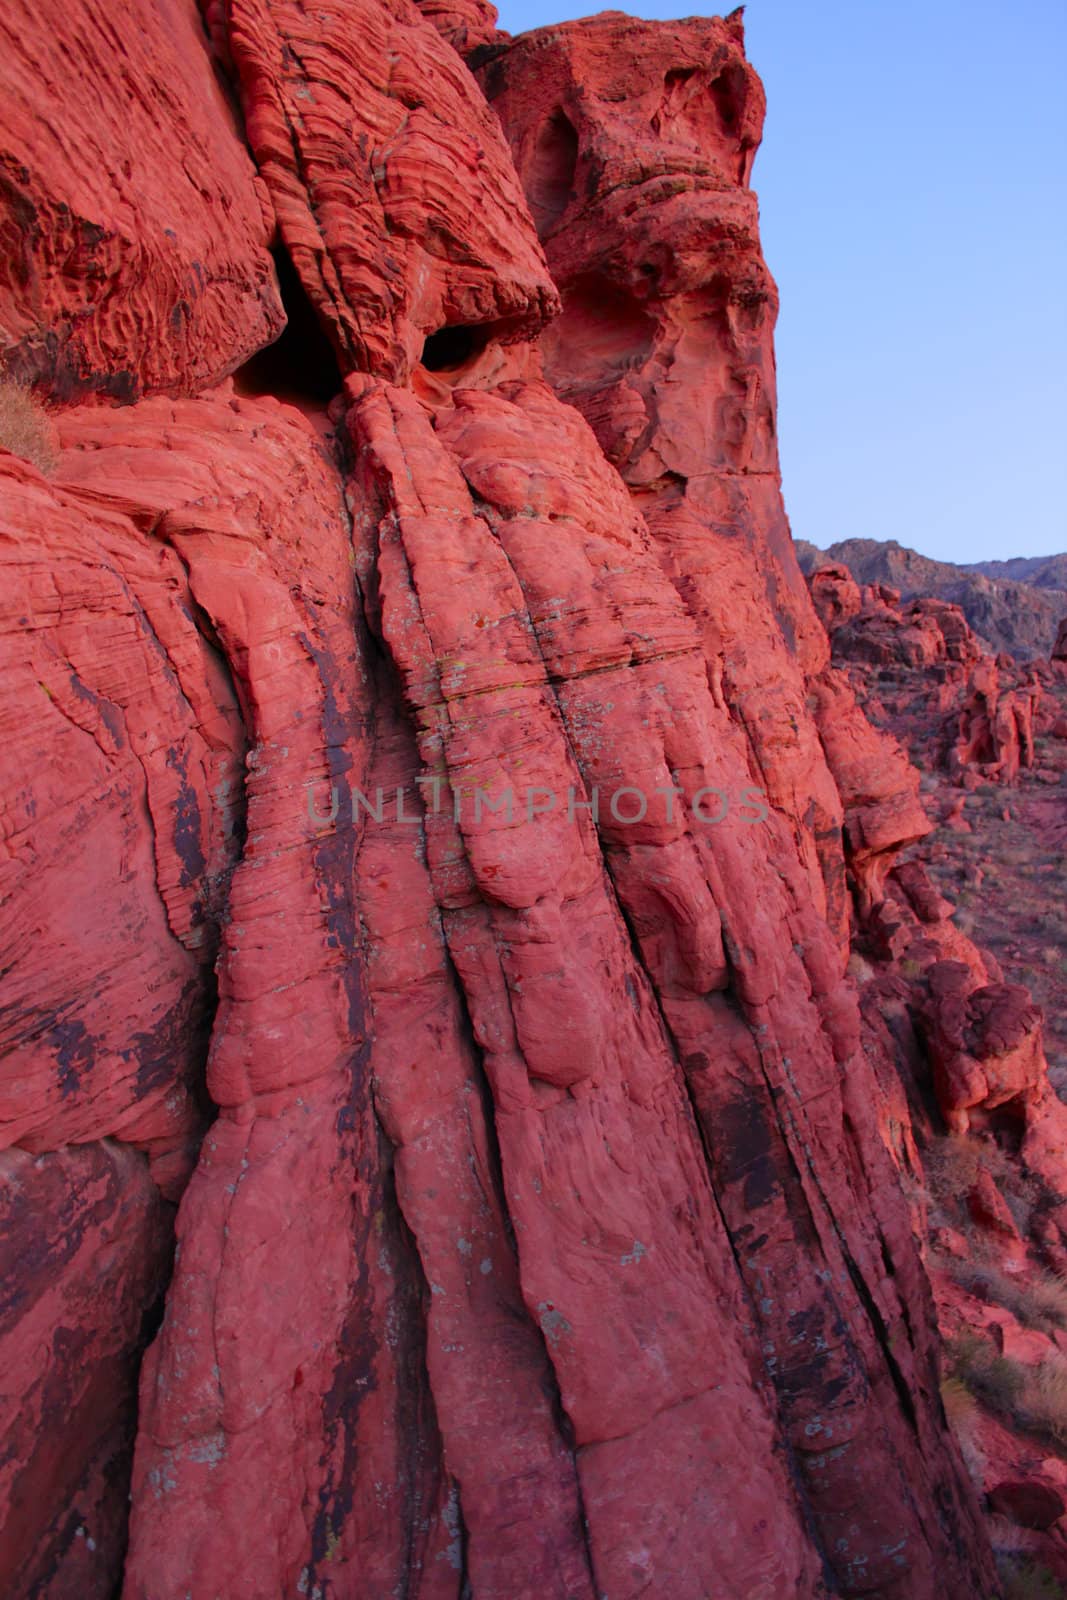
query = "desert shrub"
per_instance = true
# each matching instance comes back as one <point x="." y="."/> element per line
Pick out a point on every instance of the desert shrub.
<point x="951" y="1166"/>
<point x="964" y="1354"/>
<point x="1048" y="1294"/>
<point x="25" y="428"/>
<point x="1001" y="1381"/>
<point x="860" y="970"/>
<point x="962" y="1415"/>
<point x="996" y="1379"/>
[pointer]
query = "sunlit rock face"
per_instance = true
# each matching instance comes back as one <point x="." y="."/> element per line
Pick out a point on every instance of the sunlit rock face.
<point x="441" y="828"/>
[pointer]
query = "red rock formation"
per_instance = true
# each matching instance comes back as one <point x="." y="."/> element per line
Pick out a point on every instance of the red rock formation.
<point x="545" y="1239"/>
<point x="964" y="1048"/>
<point x="1011" y="605"/>
<point x="390" y="180"/>
<point x="134" y="227"/>
<point x="995" y="727"/>
<point x="835" y="595"/>
<point x="984" y="1043"/>
<point x="122" y="790"/>
<point x="1030" y="1503"/>
<point x="931" y="676"/>
<point x="466" y="24"/>
<point x="84" y="1256"/>
<point x="245" y="496"/>
<point x="635" y="145"/>
<point x="536" y="934"/>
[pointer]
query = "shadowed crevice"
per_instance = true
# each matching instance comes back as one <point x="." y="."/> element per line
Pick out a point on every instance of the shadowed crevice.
<point x="300" y="366"/>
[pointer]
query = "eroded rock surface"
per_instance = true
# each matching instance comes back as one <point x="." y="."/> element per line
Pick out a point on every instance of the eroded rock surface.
<point x="390" y="179"/>
<point x="442" y="832"/>
<point x="134" y="227"/>
<point x="85" y="1255"/>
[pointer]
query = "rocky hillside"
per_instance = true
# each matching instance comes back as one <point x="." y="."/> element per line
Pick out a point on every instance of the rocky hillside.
<point x="473" y="1041"/>
<point x="1014" y="606"/>
<point x="990" y="737"/>
<point x="1041" y="572"/>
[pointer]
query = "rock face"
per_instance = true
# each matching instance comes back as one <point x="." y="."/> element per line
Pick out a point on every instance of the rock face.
<point x="134" y="227"/>
<point x="85" y="1256"/>
<point x="635" y="144"/>
<point x="439" y="833"/>
<point x="390" y="181"/>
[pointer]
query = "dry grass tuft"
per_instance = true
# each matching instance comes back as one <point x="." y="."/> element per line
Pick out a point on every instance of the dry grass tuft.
<point x="860" y="970"/>
<point x="1044" y="1398"/>
<point x="25" y="428"/>
<point x="1048" y="1294"/>
<point x="1036" y="1299"/>
<point x="951" y="1166"/>
<point x="961" y="1408"/>
<point x="1030" y="1398"/>
<point x="1002" y="1382"/>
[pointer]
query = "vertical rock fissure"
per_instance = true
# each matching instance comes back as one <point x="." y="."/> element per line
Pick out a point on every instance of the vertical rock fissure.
<point x="388" y="692"/>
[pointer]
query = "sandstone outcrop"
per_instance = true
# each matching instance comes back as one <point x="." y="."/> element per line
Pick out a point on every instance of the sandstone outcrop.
<point x="1012" y="606"/>
<point x="85" y="1256"/>
<point x="134" y="226"/>
<point x="437" y="850"/>
<point x="920" y="662"/>
<point x="390" y="180"/>
<point x="635" y="146"/>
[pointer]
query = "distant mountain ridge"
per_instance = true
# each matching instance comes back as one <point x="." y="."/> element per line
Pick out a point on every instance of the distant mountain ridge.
<point x="1041" y="572"/>
<point x="1012" y="605"/>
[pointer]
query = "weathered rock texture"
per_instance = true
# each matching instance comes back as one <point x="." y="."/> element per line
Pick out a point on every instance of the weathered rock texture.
<point x="134" y="229"/>
<point x="389" y="177"/>
<point x="85" y="1253"/>
<point x="438" y="828"/>
<point x="635" y="144"/>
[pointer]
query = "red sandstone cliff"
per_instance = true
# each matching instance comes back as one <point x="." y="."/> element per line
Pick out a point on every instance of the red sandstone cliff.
<point x="436" y="828"/>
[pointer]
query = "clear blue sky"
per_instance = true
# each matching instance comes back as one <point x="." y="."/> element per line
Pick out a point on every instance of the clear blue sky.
<point x="913" y="192"/>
